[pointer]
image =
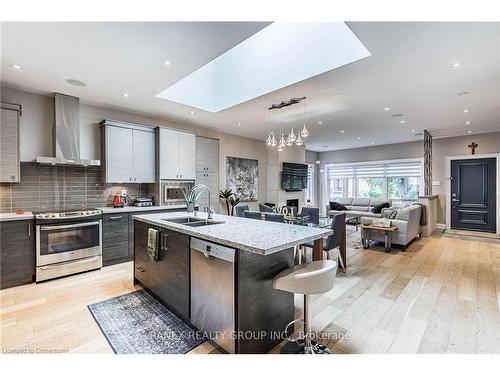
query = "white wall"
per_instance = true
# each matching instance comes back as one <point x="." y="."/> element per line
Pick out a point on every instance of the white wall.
<point x="38" y="119"/>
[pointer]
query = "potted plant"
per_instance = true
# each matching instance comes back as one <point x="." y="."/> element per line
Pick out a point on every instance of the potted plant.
<point x="231" y="200"/>
<point x="191" y="197"/>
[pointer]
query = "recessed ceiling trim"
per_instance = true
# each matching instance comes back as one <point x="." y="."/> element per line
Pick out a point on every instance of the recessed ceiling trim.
<point x="279" y="55"/>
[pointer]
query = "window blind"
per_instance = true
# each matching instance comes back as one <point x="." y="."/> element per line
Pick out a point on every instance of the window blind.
<point x="408" y="169"/>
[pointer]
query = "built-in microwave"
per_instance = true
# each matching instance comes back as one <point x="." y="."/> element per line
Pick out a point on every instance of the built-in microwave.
<point x="172" y="191"/>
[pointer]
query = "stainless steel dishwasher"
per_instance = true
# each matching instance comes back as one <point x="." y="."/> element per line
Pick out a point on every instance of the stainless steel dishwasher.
<point x="213" y="292"/>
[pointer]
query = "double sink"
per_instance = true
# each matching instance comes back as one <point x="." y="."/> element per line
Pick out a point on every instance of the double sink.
<point x="191" y="221"/>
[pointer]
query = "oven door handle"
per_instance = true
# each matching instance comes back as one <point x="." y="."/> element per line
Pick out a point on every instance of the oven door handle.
<point x="73" y="262"/>
<point x="69" y="226"/>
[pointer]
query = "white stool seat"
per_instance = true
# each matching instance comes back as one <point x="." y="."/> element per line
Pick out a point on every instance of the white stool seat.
<point x="311" y="278"/>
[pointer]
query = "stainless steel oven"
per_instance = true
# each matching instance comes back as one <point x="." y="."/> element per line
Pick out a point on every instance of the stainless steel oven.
<point x="171" y="191"/>
<point x="67" y="243"/>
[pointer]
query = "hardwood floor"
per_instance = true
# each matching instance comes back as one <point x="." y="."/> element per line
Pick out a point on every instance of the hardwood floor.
<point x="440" y="296"/>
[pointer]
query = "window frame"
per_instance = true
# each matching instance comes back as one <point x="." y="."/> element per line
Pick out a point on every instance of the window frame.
<point x="384" y="177"/>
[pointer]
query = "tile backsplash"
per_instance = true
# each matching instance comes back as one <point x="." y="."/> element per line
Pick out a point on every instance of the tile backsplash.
<point x="47" y="187"/>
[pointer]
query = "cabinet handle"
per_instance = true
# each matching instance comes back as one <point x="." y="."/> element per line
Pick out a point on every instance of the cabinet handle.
<point x="29" y="229"/>
<point x="163" y="242"/>
<point x="115" y="217"/>
<point x="130" y="179"/>
<point x="140" y="269"/>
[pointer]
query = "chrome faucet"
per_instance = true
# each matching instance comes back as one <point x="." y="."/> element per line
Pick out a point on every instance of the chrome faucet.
<point x="204" y="187"/>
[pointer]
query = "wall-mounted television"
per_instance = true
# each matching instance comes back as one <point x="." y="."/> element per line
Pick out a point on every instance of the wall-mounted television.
<point x="294" y="177"/>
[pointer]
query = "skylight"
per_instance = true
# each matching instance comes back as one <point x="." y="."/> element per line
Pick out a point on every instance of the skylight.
<point x="277" y="56"/>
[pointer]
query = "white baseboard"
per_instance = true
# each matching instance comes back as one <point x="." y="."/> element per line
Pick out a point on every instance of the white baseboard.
<point x="441" y="226"/>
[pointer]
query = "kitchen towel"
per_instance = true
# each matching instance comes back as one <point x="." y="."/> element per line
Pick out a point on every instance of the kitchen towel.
<point x="153" y="244"/>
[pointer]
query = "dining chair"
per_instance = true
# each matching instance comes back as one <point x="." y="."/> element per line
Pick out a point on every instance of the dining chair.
<point x="332" y="243"/>
<point x="278" y="218"/>
<point x="312" y="213"/>
<point x="253" y="215"/>
<point x="265" y="208"/>
<point x="241" y="209"/>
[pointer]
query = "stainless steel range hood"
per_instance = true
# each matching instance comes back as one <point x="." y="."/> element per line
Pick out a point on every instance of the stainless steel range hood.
<point x="66" y="134"/>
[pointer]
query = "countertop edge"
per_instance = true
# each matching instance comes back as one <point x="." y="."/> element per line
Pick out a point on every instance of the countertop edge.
<point x="188" y="231"/>
<point x="14" y="217"/>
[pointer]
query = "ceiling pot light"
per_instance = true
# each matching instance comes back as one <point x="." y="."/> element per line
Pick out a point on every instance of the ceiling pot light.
<point x="166" y="62"/>
<point x="359" y="138"/>
<point x="469" y="131"/>
<point x="373" y="143"/>
<point x="342" y="132"/>
<point x="125" y="95"/>
<point x="413" y="130"/>
<point x="467" y="110"/>
<point x="318" y="162"/>
<point x="15" y="66"/>
<point x="402" y="122"/>
<point x="319" y="123"/>
<point x="468" y="122"/>
<point x="191" y="112"/>
<point x="457" y="64"/>
<point x="386" y="109"/>
<point x="304" y="133"/>
<point x="238" y="124"/>
<point x="76" y="82"/>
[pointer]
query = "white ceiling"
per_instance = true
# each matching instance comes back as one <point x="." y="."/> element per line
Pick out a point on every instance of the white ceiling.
<point x="409" y="71"/>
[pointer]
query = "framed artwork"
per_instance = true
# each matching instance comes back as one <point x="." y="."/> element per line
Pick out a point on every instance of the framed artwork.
<point x="242" y="176"/>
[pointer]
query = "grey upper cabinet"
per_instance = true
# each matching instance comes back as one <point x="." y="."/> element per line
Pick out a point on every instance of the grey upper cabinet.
<point x="177" y="155"/>
<point x="129" y="153"/>
<point x="9" y="143"/>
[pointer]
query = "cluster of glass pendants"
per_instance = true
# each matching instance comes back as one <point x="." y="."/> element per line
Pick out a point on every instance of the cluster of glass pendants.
<point x="290" y="140"/>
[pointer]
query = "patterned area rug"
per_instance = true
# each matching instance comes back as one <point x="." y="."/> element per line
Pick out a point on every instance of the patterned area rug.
<point x="136" y="323"/>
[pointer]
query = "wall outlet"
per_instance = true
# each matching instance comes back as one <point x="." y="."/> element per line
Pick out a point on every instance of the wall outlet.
<point x="124" y="192"/>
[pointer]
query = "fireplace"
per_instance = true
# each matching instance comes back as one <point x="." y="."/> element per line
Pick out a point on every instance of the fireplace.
<point x="292" y="203"/>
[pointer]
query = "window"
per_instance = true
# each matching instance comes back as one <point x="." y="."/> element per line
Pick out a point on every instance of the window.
<point x="399" y="181"/>
<point x="309" y="191"/>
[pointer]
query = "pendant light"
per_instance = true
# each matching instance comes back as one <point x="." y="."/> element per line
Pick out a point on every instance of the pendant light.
<point x="268" y="141"/>
<point x="282" y="141"/>
<point x="292" y="136"/>
<point x="273" y="140"/>
<point x="304" y="133"/>
<point x="298" y="141"/>
<point x="289" y="141"/>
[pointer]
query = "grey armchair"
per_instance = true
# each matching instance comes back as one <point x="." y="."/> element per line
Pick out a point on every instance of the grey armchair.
<point x="278" y="218"/>
<point x="312" y="213"/>
<point x="265" y="208"/>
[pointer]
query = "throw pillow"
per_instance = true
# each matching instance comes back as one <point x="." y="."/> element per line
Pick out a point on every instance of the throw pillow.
<point x="378" y="207"/>
<point x="337" y="206"/>
<point x="390" y="214"/>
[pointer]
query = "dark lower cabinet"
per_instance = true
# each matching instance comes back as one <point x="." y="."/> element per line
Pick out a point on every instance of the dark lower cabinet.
<point x="115" y="239"/>
<point x="17" y="253"/>
<point x="168" y="278"/>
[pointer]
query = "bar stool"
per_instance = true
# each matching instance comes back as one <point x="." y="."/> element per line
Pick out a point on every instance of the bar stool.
<point x="315" y="277"/>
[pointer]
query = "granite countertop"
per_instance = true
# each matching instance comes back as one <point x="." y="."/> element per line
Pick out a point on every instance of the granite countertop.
<point x="257" y="236"/>
<point x="9" y="216"/>
<point x="109" y="210"/>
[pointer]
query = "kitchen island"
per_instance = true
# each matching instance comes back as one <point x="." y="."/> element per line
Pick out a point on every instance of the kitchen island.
<point x="218" y="273"/>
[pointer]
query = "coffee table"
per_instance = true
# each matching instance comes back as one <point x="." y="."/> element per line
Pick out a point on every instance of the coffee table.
<point x="388" y="231"/>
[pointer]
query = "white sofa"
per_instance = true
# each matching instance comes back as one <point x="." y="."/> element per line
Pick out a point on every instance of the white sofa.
<point x="407" y="220"/>
<point x="357" y="206"/>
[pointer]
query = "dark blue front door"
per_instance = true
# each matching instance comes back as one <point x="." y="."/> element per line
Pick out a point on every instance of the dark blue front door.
<point x="473" y="194"/>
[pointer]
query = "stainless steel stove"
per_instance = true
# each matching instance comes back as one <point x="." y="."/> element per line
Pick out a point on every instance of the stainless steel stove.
<point x="67" y="242"/>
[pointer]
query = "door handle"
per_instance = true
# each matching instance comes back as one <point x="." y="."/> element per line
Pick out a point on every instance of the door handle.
<point x="455" y="200"/>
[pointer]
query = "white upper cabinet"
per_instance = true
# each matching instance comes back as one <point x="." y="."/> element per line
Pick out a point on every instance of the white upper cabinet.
<point x="177" y="155"/>
<point x="129" y="153"/>
<point x="144" y="156"/>
<point x="9" y="145"/>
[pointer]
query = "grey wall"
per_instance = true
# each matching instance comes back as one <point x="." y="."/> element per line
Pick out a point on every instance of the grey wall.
<point x="488" y="143"/>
